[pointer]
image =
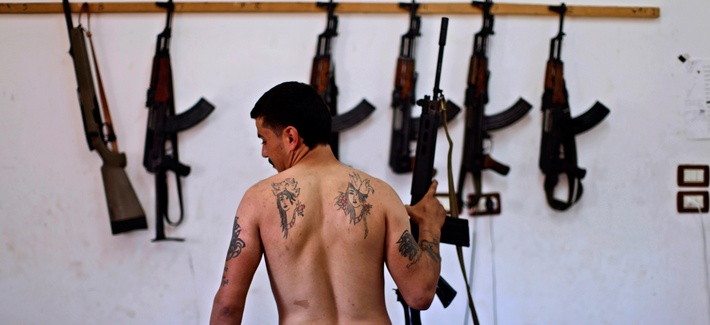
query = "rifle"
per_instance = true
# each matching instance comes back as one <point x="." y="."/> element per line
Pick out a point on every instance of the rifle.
<point x="404" y="126"/>
<point x="124" y="208"/>
<point x="455" y="230"/>
<point x="558" y="150"/>
<point x="476" y="158"/>
<point x="323" y="80"/>
<point x="161" y="141"/>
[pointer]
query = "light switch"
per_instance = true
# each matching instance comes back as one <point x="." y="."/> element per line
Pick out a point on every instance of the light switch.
<point x="693" y="175"/>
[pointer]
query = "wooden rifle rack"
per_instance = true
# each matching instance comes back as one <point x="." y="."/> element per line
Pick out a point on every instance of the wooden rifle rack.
<point x="343" y="7"/>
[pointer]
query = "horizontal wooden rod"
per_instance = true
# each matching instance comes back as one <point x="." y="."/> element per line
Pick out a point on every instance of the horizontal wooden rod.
<point x="343" y="7"/>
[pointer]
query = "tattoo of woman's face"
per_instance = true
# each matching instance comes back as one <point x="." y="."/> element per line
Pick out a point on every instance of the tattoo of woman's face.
<point x="287" y="202"/>
<point x="353" y="201"/>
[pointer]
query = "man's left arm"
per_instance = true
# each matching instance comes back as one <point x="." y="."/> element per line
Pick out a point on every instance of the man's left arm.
<point x="243" y="257"/>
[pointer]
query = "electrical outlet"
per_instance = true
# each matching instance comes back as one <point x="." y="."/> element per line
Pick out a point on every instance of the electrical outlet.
<point x="692" y="201"/>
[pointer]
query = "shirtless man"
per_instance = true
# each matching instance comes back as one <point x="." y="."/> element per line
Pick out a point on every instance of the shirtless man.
<point x="325" y="229"/>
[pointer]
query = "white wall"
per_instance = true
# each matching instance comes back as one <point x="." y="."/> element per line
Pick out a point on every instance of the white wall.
<point x="620" y="256"/>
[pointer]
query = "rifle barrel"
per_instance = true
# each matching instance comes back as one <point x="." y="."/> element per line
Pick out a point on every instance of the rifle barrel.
<point x="439" y="60"/>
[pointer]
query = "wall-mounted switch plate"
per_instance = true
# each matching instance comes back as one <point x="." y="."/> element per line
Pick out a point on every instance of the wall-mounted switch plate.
<point x="693" y="176"/>
<point x="488" y="204"/>
<point x="692" y="201"/>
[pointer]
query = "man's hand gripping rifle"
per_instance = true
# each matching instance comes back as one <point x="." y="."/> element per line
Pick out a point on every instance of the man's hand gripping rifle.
<point x="161" y="141"/>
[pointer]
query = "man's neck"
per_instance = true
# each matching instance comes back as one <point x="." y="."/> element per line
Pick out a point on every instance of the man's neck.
<point x="319" y="154"/>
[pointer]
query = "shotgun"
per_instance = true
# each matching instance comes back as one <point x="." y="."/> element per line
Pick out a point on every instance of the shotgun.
<point x="124" y="208"/>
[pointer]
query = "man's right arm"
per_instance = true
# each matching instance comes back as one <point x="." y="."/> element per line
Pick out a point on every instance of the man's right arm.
<point x="415" y="264"/>
<point x="243" y="257"/>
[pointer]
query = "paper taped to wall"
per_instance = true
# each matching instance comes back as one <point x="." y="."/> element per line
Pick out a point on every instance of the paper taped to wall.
<point x="696" y="113"/>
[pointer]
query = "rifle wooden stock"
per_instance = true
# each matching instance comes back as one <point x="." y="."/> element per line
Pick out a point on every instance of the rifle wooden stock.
<point x="125" y="210"/>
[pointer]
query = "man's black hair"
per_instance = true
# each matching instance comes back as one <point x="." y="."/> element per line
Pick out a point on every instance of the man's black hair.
<point x="299" y="105"/>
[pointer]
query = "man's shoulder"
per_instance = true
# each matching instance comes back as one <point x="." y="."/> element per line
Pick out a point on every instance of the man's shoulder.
<point x="268" y="185"/>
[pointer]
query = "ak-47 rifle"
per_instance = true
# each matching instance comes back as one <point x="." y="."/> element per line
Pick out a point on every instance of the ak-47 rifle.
<point x="404" y="126"/>
<point x="124" y="208"/>
<point x="455" y="231"/>
<point x="323" y="80"/>
<point x="478" y="125"/>
<point x="161" y="141"/>
<point x="558" y="150"/>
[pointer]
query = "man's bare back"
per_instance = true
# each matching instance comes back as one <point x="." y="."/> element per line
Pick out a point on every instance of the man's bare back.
<point x="325" y="231"/>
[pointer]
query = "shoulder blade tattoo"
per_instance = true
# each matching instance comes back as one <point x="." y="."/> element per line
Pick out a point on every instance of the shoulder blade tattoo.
<point x="236" y="244"/>
<point x="353" y="201"/>
<point x="287" y="202"/>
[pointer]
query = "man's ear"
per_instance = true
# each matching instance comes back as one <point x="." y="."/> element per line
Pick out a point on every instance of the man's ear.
<point x="291" y="138"/>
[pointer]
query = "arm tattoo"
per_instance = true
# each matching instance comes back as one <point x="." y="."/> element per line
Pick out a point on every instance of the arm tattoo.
<point x="354" y="199"/>
<point x="287" y="202"/>
<point x="236" y="244"/>
<point x="409" y="248"/>
<point x="225" y="281"/>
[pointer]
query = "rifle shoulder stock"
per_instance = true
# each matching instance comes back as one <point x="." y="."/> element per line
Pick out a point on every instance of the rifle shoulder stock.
<point x="508" y="116"/>
<point x="125" y="211"/>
